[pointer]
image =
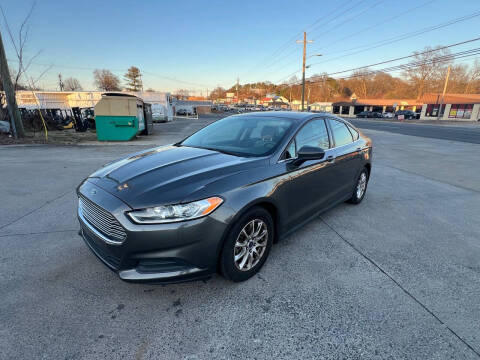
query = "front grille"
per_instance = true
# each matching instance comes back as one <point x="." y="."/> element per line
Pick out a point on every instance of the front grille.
<point x="101" y="219"/>
<point x="108" y="257"/>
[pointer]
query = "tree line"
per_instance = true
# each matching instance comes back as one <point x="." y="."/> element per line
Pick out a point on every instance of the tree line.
<point x="107" y="81"/>
<point x="426" y="74"/>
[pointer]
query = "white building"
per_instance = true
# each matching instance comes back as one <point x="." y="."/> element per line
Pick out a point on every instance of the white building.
<point x="66" y="100"/>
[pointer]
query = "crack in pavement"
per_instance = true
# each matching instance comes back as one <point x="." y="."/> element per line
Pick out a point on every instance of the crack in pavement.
<point x="408" y="293"/>
<point x="39" y="232"/>
<point x="32" y="211"/>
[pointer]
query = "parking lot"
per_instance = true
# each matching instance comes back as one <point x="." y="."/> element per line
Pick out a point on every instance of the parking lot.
<point x="397" y="276"/>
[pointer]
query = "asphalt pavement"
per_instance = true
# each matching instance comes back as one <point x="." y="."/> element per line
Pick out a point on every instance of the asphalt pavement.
<point x="396" y="277"/>
<point x="469" y="133"/>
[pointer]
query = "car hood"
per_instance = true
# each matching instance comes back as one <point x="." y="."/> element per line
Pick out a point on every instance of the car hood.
<point x="167" y="174"/>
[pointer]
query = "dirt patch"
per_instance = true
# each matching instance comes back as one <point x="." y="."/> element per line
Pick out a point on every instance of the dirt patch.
<point x="64" y="137"/>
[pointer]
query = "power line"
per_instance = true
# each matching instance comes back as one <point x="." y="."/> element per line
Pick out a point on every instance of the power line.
<point x="353" y="17"/>
<point x="392" y="40"/>
<point x="408" y="56"/>
<point x="413" y="65"/>
<point x="273" y="59"/>
<point x="119" y="71"/>
<point x="288" y="43"/>
<point x="377" y="24"/>
<point x="407" y="66"/>
<point x="332" y="18"/>
<point x="400" y="37"/>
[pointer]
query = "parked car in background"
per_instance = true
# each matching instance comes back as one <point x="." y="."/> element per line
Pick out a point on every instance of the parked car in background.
<point x="388" y="115"/>
<point x="185" y="112"/>
<point x="219" y="199"/>
<point x="407" y="114"/>
<point x="364" y="114"/>
<point x="369" y="114"/>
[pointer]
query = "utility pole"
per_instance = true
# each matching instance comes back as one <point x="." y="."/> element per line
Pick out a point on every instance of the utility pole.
<point x="444" y="90"/>
<point x="308" y="97"/>
<point x="15" y="118"/>
<point x="304" y="42"/>
<point x="60" y="82"/>
<point x="238" y="80"/>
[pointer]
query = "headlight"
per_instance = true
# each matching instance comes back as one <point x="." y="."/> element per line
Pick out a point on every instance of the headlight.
<point x="173" y="213"/>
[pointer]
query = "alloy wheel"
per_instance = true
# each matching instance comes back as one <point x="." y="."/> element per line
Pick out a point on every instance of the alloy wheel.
<point x="250" y="245"/>
<point x="361" y="185"/>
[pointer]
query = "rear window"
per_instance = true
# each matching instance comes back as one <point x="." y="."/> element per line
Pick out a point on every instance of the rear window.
<point x="354" y="132"/>
<point x="341" y="134"/>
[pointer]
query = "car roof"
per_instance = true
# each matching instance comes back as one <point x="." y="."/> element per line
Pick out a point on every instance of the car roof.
<point x="293" y="115"/>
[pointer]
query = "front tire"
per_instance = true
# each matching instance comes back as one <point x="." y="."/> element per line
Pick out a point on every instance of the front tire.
<point x="247" y="245"/>
<point x="360" y="188"/>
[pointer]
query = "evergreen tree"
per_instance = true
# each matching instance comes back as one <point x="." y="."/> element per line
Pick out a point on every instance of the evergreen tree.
<point x="133" y="77"/>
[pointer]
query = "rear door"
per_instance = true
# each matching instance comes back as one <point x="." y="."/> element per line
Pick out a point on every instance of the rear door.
<point x="347" y="153"/>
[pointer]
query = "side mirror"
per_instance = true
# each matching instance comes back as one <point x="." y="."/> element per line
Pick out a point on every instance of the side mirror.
<point x="308" y="153"/>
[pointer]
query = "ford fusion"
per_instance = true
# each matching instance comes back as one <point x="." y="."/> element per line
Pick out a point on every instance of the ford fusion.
<point x="218" y="200"/>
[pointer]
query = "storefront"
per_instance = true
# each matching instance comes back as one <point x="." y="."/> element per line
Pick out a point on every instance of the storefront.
<point x="454" y="107"/>
<point x="460" y="111"/>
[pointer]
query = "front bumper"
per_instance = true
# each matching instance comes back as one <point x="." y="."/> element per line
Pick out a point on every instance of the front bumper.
<point x="158" y="253"/>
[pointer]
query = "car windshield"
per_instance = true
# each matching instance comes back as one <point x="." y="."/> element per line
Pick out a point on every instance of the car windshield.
<point x="241" y="135"/>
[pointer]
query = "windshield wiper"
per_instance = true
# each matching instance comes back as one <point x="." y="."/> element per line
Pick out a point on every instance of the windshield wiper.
<point x="214" y="149"/>
<point x="220" y="151"/>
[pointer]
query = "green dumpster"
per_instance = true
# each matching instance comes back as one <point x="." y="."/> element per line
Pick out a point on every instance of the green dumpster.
<point x="119" y="117"/>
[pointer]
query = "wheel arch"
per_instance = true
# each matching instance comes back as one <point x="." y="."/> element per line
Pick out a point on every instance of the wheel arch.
<point x="368" y="166"/>
<point x="265" y="203"/>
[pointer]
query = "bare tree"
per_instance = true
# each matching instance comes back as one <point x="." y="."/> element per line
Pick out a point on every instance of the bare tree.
<point x="182" y="93"/>
<point x="428" y="69"/>
<point x="473" y="78"/>
<point x="217" y="93"/>
<point x="72" y="84"/>
<point x="458" y="78"/>
<point x="359" y="82"/>
<point x="106" y="80"/>
<point x="293" y="80"/>
<point x="19" y="43"/>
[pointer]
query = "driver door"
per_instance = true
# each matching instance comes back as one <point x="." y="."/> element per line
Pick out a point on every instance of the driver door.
<point x="312" y="182"/>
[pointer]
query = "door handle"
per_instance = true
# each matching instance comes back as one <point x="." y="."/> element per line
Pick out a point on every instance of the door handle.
<point x="330" y="158"/>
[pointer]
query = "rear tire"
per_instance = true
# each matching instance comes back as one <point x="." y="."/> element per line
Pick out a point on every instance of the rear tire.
<point x="360" y="188"/>
<point x="247" y="245"/>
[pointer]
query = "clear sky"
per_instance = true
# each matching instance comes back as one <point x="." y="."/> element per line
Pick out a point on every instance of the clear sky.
<point x="200" y="44"/>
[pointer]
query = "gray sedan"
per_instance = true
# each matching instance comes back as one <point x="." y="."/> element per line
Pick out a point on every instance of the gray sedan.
<point x="218" y="200"/>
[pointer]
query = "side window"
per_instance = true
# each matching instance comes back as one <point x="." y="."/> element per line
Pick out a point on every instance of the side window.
<point x="354" y="133"/>
<point x="291" y="151"/>
<point x="314" y="133"/>
<point x="340" y="133"/>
